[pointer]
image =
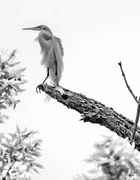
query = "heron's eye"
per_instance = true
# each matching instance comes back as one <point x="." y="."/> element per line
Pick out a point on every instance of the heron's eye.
<point x="44" y="28"/>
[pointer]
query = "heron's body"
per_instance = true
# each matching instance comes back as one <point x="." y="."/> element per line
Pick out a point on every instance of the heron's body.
<point x="52" y="53"/>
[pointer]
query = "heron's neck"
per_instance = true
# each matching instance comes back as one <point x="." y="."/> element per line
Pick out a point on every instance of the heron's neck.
<point x="46" y="35"/>
<point x="45" y="40"/>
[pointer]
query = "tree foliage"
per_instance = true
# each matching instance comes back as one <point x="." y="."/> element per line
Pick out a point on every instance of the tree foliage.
<point x="115" y="160"/>
<point x="18" y="151"/>
<point x="11" y="79"/>
<point x="18" y="154"/>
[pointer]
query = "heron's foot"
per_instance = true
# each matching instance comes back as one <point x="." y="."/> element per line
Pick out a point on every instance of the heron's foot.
<point x="39" y="88"/>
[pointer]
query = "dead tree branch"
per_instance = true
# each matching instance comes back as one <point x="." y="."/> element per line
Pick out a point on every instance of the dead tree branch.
<point x="137" y="101"/>
<point x="95" y="112"/>
<point x="129" y="89"/>
<point x="136" y="121"/>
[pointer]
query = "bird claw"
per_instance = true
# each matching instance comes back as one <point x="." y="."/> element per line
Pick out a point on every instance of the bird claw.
<point x="39" y="88"/>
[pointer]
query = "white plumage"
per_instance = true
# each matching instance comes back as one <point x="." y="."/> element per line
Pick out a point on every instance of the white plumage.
<point x="52" y="53"/>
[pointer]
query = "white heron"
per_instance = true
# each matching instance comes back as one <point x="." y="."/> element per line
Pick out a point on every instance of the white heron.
<point x="52" y="53"/>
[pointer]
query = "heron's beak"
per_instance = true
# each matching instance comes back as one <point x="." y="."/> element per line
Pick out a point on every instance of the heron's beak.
<point x="33" y="28"/>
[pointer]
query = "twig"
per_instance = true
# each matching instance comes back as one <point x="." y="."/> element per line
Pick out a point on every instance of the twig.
<point x="10" y="167"/>
<point x="138" y="102"/>
<point x="130" y="90"/>
<point x="136" y="122"/>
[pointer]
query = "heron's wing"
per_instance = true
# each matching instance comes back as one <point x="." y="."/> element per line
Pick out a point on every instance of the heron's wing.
<point x="46" y="51"/>
<point x="57" y="59"/>
<point x="58" y="50"/>
<point x="60" y="44"/>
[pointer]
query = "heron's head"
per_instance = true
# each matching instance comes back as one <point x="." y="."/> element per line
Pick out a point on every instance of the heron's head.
<point x="39" y="28"/>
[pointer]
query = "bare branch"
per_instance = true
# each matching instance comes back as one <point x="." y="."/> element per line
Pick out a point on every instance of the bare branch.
<point x="136" y="122"/>
<point x="129" y="89"/>
<point x="95" y="112"/>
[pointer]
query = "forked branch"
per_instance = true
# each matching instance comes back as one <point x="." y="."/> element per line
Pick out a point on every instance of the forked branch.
<point x="137" y="101"/>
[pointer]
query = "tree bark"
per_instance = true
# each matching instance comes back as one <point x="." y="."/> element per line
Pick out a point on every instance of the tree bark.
<point x="95" y="112"/>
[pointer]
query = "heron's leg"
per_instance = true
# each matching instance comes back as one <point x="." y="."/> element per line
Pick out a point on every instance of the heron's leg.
<point x="46" y="76"/>
<point x="55" y="61"/>
<point x="39" y="87"/>
<point x="55" y="68"/>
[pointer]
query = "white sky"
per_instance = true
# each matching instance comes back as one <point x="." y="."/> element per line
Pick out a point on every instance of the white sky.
<point x="96" y="35"/>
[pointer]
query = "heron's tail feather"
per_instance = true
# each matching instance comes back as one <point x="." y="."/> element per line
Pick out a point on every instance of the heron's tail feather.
<point x="60" y="90"/>
<point x="47" y="98"/>
<point x="57" y="88"/>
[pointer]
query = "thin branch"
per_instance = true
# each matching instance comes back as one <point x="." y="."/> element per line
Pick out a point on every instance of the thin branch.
<point x="136" y="122"/>
<point x="138" y="102"/>
<point x="7" y="173"/>
<point x="130" y="90"/>
<point x="95" y="112"/>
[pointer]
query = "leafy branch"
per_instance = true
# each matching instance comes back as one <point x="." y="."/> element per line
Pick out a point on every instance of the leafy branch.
<point x="11" y="79"/>
<point x="115" y="160"/>
<point x="18" y="154"/>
